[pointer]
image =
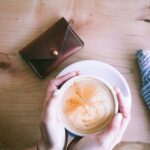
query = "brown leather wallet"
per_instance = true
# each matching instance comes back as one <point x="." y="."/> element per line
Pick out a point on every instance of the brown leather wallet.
<point x="51" y="48"/>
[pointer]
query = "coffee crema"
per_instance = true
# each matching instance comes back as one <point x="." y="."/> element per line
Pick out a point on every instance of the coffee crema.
<point x="88" y="105"/>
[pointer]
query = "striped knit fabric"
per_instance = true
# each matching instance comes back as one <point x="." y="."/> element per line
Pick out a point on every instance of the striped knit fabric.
<point x="144" y="63"/>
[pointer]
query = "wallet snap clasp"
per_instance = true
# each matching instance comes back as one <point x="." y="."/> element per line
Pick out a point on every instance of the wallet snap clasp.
<point x="54" y="52"/>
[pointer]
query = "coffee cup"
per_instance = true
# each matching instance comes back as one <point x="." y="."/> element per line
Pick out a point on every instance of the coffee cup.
<point x="87" y="104"/>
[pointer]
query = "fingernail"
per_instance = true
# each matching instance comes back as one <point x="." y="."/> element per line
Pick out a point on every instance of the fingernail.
<point x="56" y="93"/>
<point x="77" y="72"/>
<point x="73" y="72"/>
<point x="117" y="90"/>
<point x="118" y="117"/>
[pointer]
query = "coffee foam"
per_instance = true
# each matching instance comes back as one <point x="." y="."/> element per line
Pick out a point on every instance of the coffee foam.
<point x="88" y="105"/>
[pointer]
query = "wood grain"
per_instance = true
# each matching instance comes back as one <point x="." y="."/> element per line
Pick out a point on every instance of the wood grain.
<point x="112" y="31"/>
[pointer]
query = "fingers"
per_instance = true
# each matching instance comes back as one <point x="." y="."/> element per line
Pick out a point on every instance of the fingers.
<point x="111" y="132"/>
<point x="54" y="84"/>
<point x="124" y="125"/>
<point x="60" y="80"/>
<point x="125" y="111"/>
<point x="123" y="107"/>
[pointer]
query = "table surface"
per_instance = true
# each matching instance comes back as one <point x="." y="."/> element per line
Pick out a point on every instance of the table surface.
<point x="111" y="30"/>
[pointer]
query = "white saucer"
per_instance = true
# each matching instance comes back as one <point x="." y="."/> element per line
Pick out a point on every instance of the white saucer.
<point x="102" y="70"/>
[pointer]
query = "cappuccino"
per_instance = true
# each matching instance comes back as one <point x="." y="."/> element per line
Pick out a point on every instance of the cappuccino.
<point x="88" y="105"/>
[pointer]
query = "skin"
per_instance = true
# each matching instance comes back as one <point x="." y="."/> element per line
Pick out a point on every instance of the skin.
<point x="53" y="132"/>
<point x="113" y="134"/>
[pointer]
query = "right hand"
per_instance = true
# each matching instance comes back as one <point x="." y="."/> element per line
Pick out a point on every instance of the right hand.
<point x="113" y="134"/>
<point x="52" y="129"/>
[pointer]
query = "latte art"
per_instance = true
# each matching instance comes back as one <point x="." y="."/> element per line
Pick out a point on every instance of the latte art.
<point x="88" y="105"/>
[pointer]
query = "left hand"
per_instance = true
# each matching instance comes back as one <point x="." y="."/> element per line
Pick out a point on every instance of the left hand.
<point x="52" y="130"/>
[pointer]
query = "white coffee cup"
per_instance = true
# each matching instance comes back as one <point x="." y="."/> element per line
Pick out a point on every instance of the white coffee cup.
<point x="62" y="91"/>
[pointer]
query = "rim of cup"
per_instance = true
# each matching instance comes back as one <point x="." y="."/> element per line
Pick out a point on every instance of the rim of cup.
<point x="67" y="84"/>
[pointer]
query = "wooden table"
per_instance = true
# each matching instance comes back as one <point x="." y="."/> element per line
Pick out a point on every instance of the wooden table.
<point x="111" y="31"/>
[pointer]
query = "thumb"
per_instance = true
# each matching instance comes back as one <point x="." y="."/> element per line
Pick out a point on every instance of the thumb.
<point x="111" y="132"/>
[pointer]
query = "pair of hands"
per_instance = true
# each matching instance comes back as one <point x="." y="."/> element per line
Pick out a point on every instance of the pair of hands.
<point x="53" y="132"/>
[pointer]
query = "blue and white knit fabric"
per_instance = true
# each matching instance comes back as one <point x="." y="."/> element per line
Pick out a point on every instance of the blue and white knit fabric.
<point x="144" y="63"/>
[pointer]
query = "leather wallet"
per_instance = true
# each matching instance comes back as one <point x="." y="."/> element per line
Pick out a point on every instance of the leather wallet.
<point x="51" y="48"/>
